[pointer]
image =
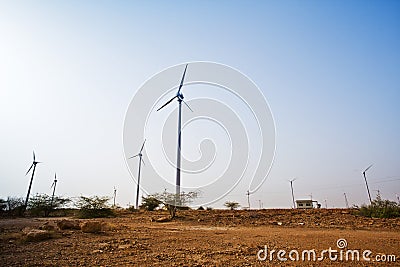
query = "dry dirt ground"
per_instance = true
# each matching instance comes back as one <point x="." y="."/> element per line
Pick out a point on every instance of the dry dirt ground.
<point x="207" y="238"/>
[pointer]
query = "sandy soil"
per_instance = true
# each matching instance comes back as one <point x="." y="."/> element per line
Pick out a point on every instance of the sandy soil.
<point x="205" y="238"/>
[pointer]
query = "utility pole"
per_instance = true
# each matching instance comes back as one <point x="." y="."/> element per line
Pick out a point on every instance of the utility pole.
<point x="345" y="200"/>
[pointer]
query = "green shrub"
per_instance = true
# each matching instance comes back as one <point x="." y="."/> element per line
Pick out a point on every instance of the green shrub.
<point x="232" y="205"/>
<point x="380" y="208"/>
<point x="15" y="206"/>
<point x="150" y="203"/>
<point x="42" y="204"/>
<point x="94" y="207"/>
<point x="3" y="205"/>
<point x="169" y="200"/>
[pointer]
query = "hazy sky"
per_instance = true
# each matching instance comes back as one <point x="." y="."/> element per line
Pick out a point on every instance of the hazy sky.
<point x="330" y="71"/>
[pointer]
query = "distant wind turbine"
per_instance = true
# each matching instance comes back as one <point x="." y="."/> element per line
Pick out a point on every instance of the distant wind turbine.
<point x="53" y="185"/>
<point x="179" y="97"/>
<point x="291" y="186"/>
<point x="138" y="182"/>
<point x="345" y="200"/>
<point x="34" y="163"/>
<point x="366" y="183"/>
<point x="115" y="195"/>
<point x="248" y="198"/>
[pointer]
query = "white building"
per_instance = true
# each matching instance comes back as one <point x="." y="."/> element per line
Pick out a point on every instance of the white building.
<point x="307" y="204"/>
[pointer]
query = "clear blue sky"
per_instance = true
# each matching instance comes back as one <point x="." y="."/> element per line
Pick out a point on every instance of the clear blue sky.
<point x="330" y="71"/>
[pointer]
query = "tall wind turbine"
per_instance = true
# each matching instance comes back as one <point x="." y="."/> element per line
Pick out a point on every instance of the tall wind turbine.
<point x="179" y="97"/>
<point x="54" y="184"/>
<point x="291" y="186"/>
<point x="366" y="183"/>
<point x="140" y="165"/>
<point x="33" y="173"/>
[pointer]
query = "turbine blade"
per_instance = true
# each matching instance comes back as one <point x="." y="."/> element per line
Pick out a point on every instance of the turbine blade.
<point x="187" y="105"/>
<point x="142" y="146"/>
<point x="134" y="156"/>
<point x="143" y="161"/>
<point x="167" y="103"/>
<point x="34" y="156"/>
<point x="183" y="78"/>
<point x="368" y="168"/>
<point x="29" y="169"/>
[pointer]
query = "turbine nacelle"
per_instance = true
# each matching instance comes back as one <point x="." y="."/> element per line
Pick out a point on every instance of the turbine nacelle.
<point x="179" y="96"/>
<point x="33" y="163"/>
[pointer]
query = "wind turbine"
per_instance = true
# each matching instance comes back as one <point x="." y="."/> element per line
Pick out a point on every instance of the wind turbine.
<point x="54" y="184"/>
<point x="366" y="183"/>
<point x="140" y="165"/>
<point x="179" y="97"/>
<point x="33" y="173"/>
<point x="291" y="186"/>
<point x="115" y="195"/>
<point x="345" y="200"/>
<point x="248" y="198"/>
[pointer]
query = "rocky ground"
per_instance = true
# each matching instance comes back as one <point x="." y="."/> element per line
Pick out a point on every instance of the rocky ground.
<point x="199" y="238"/>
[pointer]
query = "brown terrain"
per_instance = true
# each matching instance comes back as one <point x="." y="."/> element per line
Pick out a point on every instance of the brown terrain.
<point x="199" y="238"/>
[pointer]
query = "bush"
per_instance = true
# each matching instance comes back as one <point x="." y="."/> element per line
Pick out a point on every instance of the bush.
<point x="94" y="207"/>
<point x="15" y="206"/>
<point x="150" y="203"/>
<point x="42" y="204"/>
<point x="232" y="205"/>
<point x="380" y="208"/>
<point x="3" y="205"/>
<point x="169" y="200"/>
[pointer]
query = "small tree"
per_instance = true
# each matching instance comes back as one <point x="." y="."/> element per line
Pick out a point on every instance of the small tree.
<point x="3" y="204"/>
<point x="43" y="204"/>
<point x="15" y="205"/>
<point x="150" y="203"/>
<point x="232" y="205"/>
<point x="380" y="208"/>
<point x="94" y="207"/>
<point x="172" y="202"/>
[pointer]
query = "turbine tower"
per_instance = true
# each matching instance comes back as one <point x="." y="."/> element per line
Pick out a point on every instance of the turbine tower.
<point x="115" y="195"/>
<point x="248" y="198"/>
<point x="366" y="183"/>
<point x="345" y="200"/>
<point x="179" y="97"/>
<point x="53" y="185"/>
<point x="291" y="186"/>
<point x="138" y="182"/>
<point x="34" y="163"/>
